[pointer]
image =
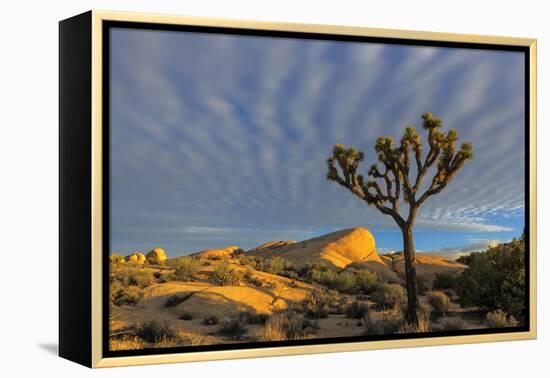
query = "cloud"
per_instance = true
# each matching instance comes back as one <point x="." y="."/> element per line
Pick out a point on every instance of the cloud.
<point x="226" y="135"/>
<point x="477" y="245"/>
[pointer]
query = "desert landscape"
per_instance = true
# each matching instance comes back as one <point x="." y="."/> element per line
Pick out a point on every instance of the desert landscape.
<point x="335" y="285"/>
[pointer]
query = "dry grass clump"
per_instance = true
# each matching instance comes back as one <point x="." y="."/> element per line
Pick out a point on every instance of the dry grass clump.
<point x="500" y="319"/>
<point x="452" y="323"/>
<point x="439" y="301"/>
<point x="149" y="334"/>
<point x="288" y="325"/>
<point x="155" y="332"/>
<point x="126" y="343"/>
<point x="131" y="276"/>
<point x="383" y="323"/>
<point x="318" y="303"/>
<point x="125" y="296"/>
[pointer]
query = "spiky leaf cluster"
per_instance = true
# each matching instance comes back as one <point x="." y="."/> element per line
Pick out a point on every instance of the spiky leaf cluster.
<point x="391" y="178"/>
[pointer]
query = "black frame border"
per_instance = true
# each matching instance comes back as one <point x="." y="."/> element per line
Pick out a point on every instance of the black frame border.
<point x="108" y="25"/>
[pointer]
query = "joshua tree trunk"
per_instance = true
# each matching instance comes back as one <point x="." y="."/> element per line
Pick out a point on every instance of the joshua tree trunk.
<point x="410" y="274"/>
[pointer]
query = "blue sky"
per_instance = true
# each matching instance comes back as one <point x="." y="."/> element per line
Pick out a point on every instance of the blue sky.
<point x="222" y="140"/>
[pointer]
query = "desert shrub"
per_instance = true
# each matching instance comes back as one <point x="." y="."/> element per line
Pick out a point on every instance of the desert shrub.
<point x="155" y="332"/>
<point x="467" y="259"/>
<point x="382" y="323"/>
<point x="157" y="275"/>
<point x="131" y="276"/>
<point x="495" y="279"/>
<point x="312" y="272"/>
<point x="185" y="268"/>
<point x="500" y="319"/>
<point x="247" y="275"/>
<point x="439" y="301"/>
<point x="186" y="316"/>
<point x="293" y="275"/>
<point x="174" y="300"/>
<point x="421" y="284"/>
<point x="366" y="280"/>
<point x="344" y="282"/>
<point x="256" y="281"/>
<point x="233" y="329"/>
<point x="452" y="323"/>
<point x="116" y="259"/>
<point x="225" y="276"/>
<point x="211" y="320"/>
<point x="356" y="310"/>
<point x="389" y="295"/>
<point x="249" y="261"/>
<point x="252" y="317"/>
<point x="275" y="265"/>
<point x="271" y="285"/>
<point x="287" y="325"/>
<point x="444" y="281"/>
<point x="317" y="304"/>
<point x="125" y="296"/>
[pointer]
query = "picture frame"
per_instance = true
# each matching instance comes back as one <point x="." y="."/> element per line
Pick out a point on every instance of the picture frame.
<point x="86" y="111"/>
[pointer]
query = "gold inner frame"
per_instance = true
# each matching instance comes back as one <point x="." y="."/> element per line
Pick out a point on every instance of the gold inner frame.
<point x="97" y="153"/>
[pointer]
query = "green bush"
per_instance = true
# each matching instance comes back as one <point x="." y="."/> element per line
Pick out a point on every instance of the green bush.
<point x="356" y="310"/>
<point x="500" y="319"/>
<point x="185" y="268"/>
<point x="211" y="320"/>
<point x="225" y="276"/>
<point x="312" y="272"/>
<point x="439" y="301"/>
<point x="389" y="295"/>
<point x="233" y="329"/>
<point x="366" y="280"/>
<point x="444" y="281"/>
<point x="275" y="265"/>
<point x="344" y="282"/>
<point x="495" y="279"/>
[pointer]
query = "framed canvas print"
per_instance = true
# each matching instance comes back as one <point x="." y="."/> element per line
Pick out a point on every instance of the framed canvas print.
<point x="235" y="189"/>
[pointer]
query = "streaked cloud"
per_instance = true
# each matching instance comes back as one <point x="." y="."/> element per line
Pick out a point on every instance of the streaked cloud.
<point x="226" y="135"/>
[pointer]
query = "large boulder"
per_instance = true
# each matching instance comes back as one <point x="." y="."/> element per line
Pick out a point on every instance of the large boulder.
<point x="136" y="258"/>
<point x="220" y="253"/>
<point x="156" y="256"/>
<point x="338" y="249"/>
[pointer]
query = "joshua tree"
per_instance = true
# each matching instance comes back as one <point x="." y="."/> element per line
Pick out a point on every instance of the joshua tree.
<point x="398" y="177"/>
